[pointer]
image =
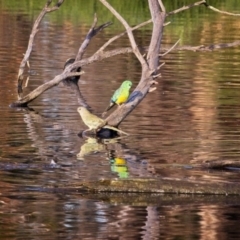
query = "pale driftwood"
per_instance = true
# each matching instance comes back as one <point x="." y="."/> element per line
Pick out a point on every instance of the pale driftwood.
<point x="149" y="66"/>
<point x="25" y="59"/>
<point x="41" y="89"/>
<point x="91" y="33"/>
<point x="69" y="71"/>
<point x="184" y="8"/>
<point x="111" y="40"/>
<point x="222" y="12"/>
<point x="129" y="31"/>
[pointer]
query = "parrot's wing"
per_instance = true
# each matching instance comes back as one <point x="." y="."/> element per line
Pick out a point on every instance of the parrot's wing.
<point x="116" y="95"/>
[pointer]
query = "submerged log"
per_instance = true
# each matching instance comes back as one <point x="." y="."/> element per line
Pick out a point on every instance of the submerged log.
<point x="140" y="185"/>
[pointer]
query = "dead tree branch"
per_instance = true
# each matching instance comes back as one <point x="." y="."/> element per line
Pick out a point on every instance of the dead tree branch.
<point x="219" y="11"/>
<point x="70" y="71"/>
<point x="120" y="35"/>
<point x="128" y="29"/>
<point x="92" y="32"/>
<point x="35" y="29"/>
<point x="184" y="8"/>
<point x="203" y="2"/>
<point x="146" y="79"/>
<point x="148" y="67"/>
<point x="44" y="87"/>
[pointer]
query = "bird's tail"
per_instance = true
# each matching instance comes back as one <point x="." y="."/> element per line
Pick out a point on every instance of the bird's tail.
<point x="108" y="108"/>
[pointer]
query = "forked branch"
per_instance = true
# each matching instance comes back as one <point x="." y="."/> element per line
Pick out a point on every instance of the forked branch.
<point x="149" y="67"/>
<point x="25" y="59"/>
<point x="128" y="29"/>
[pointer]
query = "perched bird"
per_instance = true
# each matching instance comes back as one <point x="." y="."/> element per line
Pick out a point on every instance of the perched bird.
<point x="93" y="121"/>
<point x="89" y="119"/>
<point x="120" y="96"/>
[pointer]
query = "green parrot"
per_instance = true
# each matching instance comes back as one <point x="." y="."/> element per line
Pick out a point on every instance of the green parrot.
<point x="120" y="96"/>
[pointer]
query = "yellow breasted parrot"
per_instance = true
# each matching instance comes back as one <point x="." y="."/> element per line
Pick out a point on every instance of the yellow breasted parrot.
<point x="120" y="96"/>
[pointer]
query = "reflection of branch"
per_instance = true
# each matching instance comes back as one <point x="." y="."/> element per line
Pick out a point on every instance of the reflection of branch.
<point x="208" y="47"/>
<point x="148" y="67"/>
<point x="45" y="10"/>
<point x="73" y="83"/>
<point x="170" y="49"/>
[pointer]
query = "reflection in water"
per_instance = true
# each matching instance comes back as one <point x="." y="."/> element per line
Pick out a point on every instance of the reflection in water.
<point x="119" y="166"/>
<point x="91" y="145"/>
<point x="113" y="149"/>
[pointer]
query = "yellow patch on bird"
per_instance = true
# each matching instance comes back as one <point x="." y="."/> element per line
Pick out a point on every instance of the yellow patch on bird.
<point x="122" y="98"/>
<point x="120" y="161"/>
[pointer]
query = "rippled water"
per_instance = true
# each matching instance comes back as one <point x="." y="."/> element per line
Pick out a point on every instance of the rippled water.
<point x="191" y="118"/>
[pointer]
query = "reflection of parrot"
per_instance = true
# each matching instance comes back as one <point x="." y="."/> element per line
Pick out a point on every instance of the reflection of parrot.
<point x="91" y="145"/>
<point x="120" y="95"/>
<point x="119" y="166"/>
<point x="93" y="121"/>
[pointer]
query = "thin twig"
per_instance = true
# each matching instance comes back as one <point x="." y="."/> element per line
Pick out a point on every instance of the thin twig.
<point x="120" y="35"/>
<point x="91" y="33"/>
<point x="161" y="6"/>
<point x="220" y="11"/>
<point x="128" y="29"/>
<point x="186" y="7"/>
<point x="105" y="45"/>
<point x="170" y="49"/>
<point x="200" y="3"/>
<point x="161" y="65"/>
<point x="24" y="61"/>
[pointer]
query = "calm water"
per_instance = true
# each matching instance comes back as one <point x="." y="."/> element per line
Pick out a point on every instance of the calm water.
<point x="192" y="117"/>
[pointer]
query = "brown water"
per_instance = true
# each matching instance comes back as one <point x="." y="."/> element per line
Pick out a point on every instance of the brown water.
<point x="192" y="117"/>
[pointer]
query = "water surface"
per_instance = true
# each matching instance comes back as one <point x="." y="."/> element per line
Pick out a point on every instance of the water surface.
<point x="192" y="117"/>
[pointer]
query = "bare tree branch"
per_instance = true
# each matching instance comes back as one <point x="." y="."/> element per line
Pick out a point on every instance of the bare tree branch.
<point x="158" y="19"/>
<point x="186" y="7"/>
<point x="203" y="2"/>
<point x="91" y="33"/>
<point x="44" y="87"/>
<point x="161" y="6"/>
<point x="45" y="10"/>
<point x="128" y="29"/>
<point x="147" y="69"/>
<point x="120" y="35"/>
<point x="219" y="11"/>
